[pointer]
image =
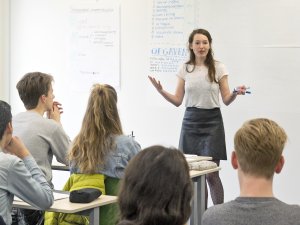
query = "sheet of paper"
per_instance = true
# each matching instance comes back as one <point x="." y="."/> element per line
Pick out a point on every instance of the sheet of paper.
<point x="56" y="195"/>
<point x="189" y="155"/>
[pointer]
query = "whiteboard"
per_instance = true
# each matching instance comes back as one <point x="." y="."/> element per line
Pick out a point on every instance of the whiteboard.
<point x="94" y="34"/>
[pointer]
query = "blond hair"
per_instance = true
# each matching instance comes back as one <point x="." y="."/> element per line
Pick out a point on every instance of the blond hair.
<point x="259" y="144"/>
<point x="100" y="124"/>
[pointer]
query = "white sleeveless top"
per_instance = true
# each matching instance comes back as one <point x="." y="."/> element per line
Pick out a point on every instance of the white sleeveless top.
<point x="199" y="91"/>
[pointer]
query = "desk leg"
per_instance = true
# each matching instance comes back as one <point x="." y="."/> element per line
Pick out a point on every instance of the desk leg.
<point x="198" y="204"/>
<point x="94" y="216"/>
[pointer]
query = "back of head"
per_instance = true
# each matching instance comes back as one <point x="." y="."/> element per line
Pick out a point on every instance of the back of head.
<point x="100" y="123"/>
<point x="32" y="86"/>
<point x="156" y="188"/>
<point x="259" y="144"/>
<point x="102" y="111"/>
<point x="5" y="116"/>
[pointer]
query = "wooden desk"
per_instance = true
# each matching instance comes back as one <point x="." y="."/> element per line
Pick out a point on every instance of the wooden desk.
<point x="62" y="167"/>
<point x="59" y="166"/>
<point x="198" y="204"/>
<point x="198" y="178"/>
<point x="65" y="206"/>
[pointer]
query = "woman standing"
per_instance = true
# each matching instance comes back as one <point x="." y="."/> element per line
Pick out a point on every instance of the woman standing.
<point x="201" y="79"/>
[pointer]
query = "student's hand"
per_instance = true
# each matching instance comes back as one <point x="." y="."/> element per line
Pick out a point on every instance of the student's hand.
<point x="58" y="105"/>
<point x="156" y="83"/>
<point x="55" y="112"/>
<point x="16" y="147"/>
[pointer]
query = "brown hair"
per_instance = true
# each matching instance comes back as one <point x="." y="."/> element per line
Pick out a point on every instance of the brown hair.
<point x="209" y="61"/>
<point x="156" y="188"/>
<point x="100" y="124"/>
<point x="259" y="144"/>
<point x="5" y="116"/>
<point x="32" y="86"/>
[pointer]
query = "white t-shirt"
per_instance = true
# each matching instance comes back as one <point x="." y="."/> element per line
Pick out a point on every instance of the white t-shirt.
<point x="199" y="91"/>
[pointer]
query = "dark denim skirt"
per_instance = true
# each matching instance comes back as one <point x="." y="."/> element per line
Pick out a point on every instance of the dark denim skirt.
<point x="202" y="133"/>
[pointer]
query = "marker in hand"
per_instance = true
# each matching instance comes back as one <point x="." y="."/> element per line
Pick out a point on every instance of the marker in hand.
<point x="236" y="90"/>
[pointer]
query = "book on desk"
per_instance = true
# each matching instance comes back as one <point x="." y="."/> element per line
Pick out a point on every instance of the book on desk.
<point x="196" y="162"/>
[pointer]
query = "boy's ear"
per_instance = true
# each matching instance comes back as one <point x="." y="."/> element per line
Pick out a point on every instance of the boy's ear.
<point x="43" y="98"/>
<point x="9" y="128"/>
<point x="234" y="161"/>
<point x="279" y="165"/>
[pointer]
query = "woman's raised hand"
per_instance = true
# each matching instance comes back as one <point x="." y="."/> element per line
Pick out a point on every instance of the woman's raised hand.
<point x="156" y="83"/>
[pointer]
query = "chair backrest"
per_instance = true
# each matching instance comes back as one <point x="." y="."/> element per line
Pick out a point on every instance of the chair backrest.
<point x="109" y="213"/>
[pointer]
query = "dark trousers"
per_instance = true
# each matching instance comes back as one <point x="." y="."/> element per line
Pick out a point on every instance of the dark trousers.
<point x="27" y="217"/>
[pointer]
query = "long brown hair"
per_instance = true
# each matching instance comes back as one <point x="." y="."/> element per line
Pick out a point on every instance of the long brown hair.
<point x="209" y="61"/>
<point x="156" y="188"/>
<point x="100" y="124"/>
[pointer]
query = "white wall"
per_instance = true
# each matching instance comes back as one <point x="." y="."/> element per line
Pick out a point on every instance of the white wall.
<point x="257" y="40"/>
<point x="2" y="10"/>
<point x="4" y="50"/>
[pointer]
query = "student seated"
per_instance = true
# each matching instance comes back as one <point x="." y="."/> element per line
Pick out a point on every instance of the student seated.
<point x="44" y="137"/>
<point x="258" y="155"/>
<point x="156" y="189"/>
<point x="19" y="173"/>
<point x="100" y="151"/>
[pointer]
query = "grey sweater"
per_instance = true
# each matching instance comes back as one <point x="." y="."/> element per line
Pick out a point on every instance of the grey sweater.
<point x="24" y="179"/>
<point x="43" y="138"/>
<point x="252" y="211"/>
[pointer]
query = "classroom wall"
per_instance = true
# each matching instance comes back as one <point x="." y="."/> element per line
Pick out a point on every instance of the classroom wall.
<point x="1" y="48"/>
<point x="257" y="40"/>
<point x="4" y="48"/>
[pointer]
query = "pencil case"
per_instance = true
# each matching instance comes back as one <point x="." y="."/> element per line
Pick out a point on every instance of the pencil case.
<point x="84" y="195"/>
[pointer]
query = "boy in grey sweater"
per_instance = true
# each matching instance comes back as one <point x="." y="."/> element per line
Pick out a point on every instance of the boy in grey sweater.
<point x="19" y="173"/>
<point x="258" y="155"/>
<point x="44" y="137"/>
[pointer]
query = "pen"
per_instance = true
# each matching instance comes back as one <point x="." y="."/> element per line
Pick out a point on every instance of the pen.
<point x="235" y="90"/>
